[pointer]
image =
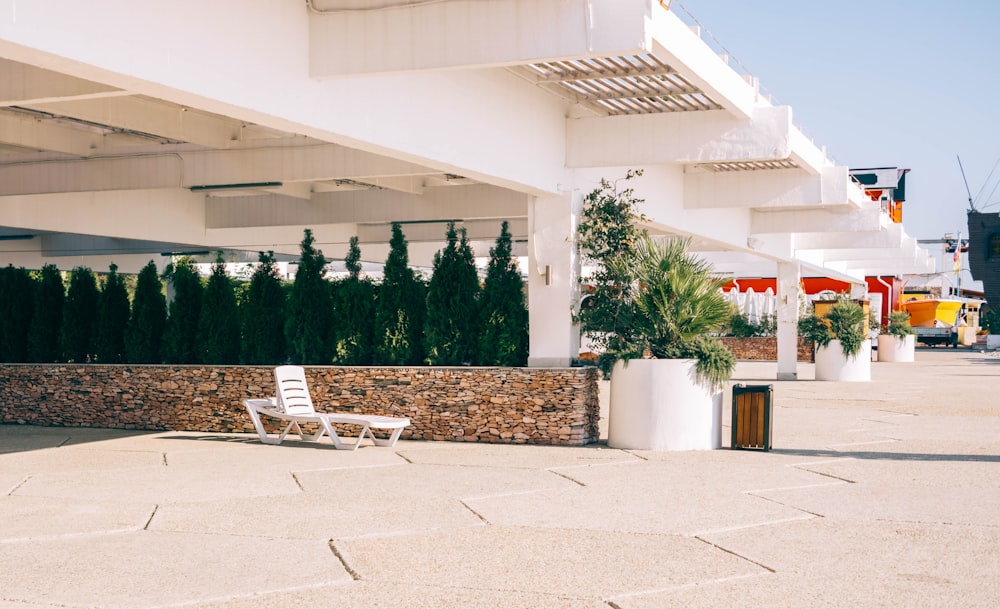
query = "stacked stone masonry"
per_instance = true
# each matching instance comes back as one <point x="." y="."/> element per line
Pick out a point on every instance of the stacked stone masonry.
<point x="505" y="405"/>
<point x="764" y="348"/>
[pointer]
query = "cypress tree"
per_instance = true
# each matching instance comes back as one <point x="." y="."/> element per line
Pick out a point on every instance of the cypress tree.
<point x="180" y="339"/>
<point x="262" y="315"/>
<point x="452" y="301"/>
<point x="17" y="305"/>
<point x="354" y="314"/>
<point x="219" y="325"/>
<point x="144" y="335"/>
<point x="399" y="313"/>
<point x="79" y="323"/>
<point x="112" y="319"/>
<point x="503" y="333"/>
<point x="307" y="329"/>
<point x="46" y="320"/>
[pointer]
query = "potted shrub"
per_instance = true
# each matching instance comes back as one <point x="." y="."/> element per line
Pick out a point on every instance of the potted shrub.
<point x="668" y="371"/>
<point x="843" y="349"/>
<point x="897" y="340"/>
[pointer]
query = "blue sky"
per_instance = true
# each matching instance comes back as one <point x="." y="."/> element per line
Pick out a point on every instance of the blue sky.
<point x="882" y="83"/>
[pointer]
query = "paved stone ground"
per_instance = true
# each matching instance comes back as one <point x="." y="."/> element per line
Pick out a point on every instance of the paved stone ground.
<point x="881" y="494"/>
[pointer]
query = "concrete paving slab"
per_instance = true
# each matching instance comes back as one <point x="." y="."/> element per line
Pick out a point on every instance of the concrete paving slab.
<point x="352" y="512"/>
<point x="505" y="455"/>
<point x="838" y="563"/>
<point x="35" y="518"/>
<point x="75" y="459"/>
<point x="160" y="484"/>
<point x="290" y="457"/>
<point x="428" y="481"/>
<point x="392" y="596"/>
<point x="148" y="569"/>
<point x="591" y="564"/>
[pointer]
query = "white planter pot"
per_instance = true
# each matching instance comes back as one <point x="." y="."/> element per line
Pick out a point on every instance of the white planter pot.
<point x="656" y="404"/>
<point x="832" y="365"/>
<point x="895" y="349"/>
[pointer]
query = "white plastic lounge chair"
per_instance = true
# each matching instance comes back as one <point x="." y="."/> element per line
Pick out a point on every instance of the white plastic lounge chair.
<point x="294" y="405"/>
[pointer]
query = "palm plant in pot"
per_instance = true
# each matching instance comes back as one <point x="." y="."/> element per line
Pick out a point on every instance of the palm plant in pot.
<point x="668" y="371"/>
<point x="843" y="350"/>
<point x="896" y="343"/>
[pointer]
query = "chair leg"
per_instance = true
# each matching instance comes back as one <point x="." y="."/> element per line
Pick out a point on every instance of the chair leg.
<point x="391" y="440"/>
<point x="259" y="426"/>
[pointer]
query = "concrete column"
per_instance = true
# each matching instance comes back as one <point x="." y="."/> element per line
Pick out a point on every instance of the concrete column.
<point x="553" y="286"/>
<point x="789" y="276"/>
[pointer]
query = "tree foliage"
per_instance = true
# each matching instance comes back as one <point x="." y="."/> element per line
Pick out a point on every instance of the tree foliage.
<point x="503" y="328"/>
<point x="354" y="314"/>
<point x="17" y="305"/>
<point x="112" y="318"/>
<point x="310" y="311"/>
<point x="46" y="320"/>
<point x="144" y="335"/>
<point x="79" y="322"/>
<point x="399" y="314"/>
<point x="450" y="329"/>
<point x="608" y="233"/>
<point x="219" y="323"/>
<point x="262" y="315"/>
<point x="180" y="339"/>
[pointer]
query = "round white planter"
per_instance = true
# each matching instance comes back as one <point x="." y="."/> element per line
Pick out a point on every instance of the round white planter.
<point x="656" y="404"/>
<point x="832" y="365"/>
<point x="895" y="349"/>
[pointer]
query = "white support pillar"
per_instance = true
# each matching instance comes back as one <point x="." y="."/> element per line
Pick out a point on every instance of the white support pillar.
<point x="553" y="287"/>
<point x="789" y="276"/>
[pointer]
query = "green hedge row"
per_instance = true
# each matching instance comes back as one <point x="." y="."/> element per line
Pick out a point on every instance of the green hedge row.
<point x="450" y="320"/>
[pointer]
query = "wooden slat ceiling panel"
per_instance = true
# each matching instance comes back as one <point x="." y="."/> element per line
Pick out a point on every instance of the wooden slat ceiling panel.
<point x="635" y="84"/>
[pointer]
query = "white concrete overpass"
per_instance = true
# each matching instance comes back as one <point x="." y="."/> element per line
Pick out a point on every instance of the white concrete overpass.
<point x="132" y="129"/>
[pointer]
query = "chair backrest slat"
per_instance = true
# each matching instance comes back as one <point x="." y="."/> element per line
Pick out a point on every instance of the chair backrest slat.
<point x="293" y="391"/>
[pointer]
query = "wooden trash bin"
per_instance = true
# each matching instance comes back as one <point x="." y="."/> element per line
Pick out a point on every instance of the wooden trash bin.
<point x="752" y="416"/>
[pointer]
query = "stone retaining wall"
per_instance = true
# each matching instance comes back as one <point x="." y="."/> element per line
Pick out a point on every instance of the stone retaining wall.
<point x="763" y="348"/>
<point x="510" y="405"/>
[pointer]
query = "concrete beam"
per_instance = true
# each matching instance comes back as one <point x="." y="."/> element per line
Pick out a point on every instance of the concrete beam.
<point x="818" y="221"/>
<point x="24" y="85"/>
<point x="466" y="33"/>
<point x="368" y="206"/>
<point x="713" y="136"/>
<point x="675" y="44"/>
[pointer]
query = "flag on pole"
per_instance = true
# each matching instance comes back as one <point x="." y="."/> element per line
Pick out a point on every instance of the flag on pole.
<point x="957" y="258"/>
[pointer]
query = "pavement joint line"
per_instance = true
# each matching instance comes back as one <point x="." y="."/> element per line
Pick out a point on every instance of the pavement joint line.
<point x="165" y="464"/>
<point x="342" y="557"/>
<point x="736" y="554"/>
<point x="511" y="494"/>
<point x="235" y="597"/>
<point x="611" y="601"/>
<point x="14" y="488"/>
<point x="794" y="507"/>
<point x="298" y="482"/>
<point x="754" y="525"/>
<point x="152" y="515"/>
<point x="80" y="535"/>
<point x="346" y="467"/>
<point x="791" y="488"/>
<point x="477" y="514"/>
<point x="812" y="471"/>
<point x="566" y="476"/>
<point x="406" y="532"/>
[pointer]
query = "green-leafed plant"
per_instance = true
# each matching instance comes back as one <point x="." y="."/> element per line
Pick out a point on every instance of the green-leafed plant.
<point x="180" y="339"/>
<point x="112" y="318"/>
<point x="219" y="323"/>
<point x="354" y="313"/>
<point x="400" y="309"/>
<point x="144" y="335"/>
<point x="503" y="329"/>
<point x="452" y="304"/>
<point x="990" y="321"/>
<point x="740" y="326"/>
<point x="46" y="320"/>
<point x="845" y="322"/>
<point x="608" y="231"/>
<point x="79" y="323"/>
<point x="262" y="315"/>
<point x="899" y="325"/>
<point x="307" y="328"/>
<point x="17" y="305"/>
<point x="676" y="305"/>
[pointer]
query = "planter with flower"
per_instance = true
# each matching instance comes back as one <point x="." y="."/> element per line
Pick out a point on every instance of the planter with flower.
<point x="843" y="349"/>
